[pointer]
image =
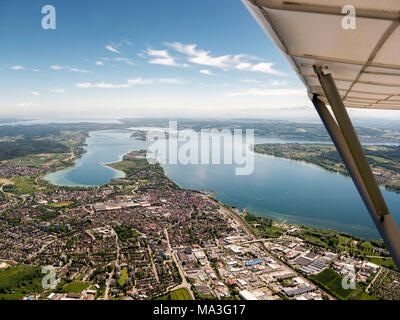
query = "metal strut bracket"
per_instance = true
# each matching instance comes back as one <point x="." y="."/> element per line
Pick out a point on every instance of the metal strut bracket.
<point x="349" y="147"/>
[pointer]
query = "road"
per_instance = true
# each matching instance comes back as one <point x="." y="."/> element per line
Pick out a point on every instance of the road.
<point x="112" y="271"/>
<point x="152" y="264"/>
<point x="236" y="217"/>
<point x="184" y="283"/>
<point x="373" y="280"/>
<point x="5" y="182"/>
<point x="72" y="156"/>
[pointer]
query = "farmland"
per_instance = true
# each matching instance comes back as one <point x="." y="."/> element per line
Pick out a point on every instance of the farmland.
<point x="16" y="282"/>
<point x="332" y="281"/>
<point x="179" y="294"/>
<point x="75" y="286"/>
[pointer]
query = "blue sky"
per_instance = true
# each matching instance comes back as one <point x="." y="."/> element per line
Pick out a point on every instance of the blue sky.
<point x="205" y="58"/>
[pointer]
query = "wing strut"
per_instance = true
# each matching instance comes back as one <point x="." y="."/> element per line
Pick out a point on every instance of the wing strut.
<point x="349" y="147"/>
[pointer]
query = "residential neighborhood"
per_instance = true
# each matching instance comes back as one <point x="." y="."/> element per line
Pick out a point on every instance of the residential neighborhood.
<point x="143" y="237"/>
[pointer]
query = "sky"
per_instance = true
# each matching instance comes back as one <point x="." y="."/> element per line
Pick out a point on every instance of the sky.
<point x="175" y="58"/>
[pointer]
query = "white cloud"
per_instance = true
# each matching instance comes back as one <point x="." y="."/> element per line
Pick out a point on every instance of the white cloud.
<point x="17" y="68"/>
<point x="57" y="67"/>
<point x="225" y="62"/>
<point x="112" y="49"/>
<point x="200" y="56"/>
<point x="71" y="69"/>
<point x="126" y="60"/>
<point x="36" y="70"/>
<point x="158" y="53"/>
<point x="206" y="60"/>
<point x="265" y="67"/>
<point x="99" y="63"/>
<point x="189" y="49"/>
<point x="162" y="57"/>
<point x="207" y="72"/>
<point x="35" y="93"/>
<point x="78" y="70"/>
<point x="102" y="85"/>
<point x="128" y="84"/>
<point x="268" y="92"/>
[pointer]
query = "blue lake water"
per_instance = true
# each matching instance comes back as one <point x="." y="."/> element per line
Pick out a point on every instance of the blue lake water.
<point x="278" y="188"/>
<point x="102" y="147"/>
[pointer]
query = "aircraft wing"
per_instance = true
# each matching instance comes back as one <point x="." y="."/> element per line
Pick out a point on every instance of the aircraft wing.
<point x="364" y="62"/>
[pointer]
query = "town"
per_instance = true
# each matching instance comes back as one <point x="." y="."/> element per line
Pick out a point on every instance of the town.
<point x="143" y="237"/>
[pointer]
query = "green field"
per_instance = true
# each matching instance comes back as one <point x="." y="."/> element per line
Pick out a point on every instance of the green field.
<point x="366" y="296"/>
<point x="179" y="294"/>
<point x="128" y="165"/>
<point x="62" y="204"/>
<point x="17" y="282"/>
<point x="36" y="160"/>
<point x="25" y="185"/>
<point x="76" y="286"/>
<point x="332" y="281"/>
<point x="388" y="263"/>
<point x="124" y="276"/>
<point x="326" y="276"/>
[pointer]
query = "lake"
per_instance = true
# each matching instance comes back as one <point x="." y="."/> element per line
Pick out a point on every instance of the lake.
<point x="102" y="147"/>
<point x="278" y="188"/>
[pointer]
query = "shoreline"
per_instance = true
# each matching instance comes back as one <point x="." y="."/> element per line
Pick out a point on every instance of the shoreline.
<point x="314" y="164"/>
<point x="117" y="172"/>
<point x="227" y="206"/>
<point x="121" y="156"/>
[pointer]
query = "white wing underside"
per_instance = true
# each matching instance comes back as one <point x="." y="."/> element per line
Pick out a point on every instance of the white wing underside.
<point x="364" y="62"/>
